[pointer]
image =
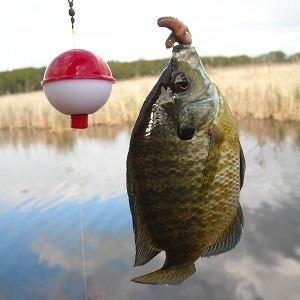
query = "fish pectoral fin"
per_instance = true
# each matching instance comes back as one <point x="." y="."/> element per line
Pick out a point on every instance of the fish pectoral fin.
<point x="214" y="154"/>
<point x="216" y="139"/>
<point x="229" y="239"/>
<point x="170" y="276"/>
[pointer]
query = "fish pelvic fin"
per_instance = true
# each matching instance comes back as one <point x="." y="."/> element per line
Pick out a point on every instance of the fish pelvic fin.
<point x="170" y="276"/>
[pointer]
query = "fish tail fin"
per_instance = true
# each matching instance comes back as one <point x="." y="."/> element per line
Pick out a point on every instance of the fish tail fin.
<point x="170" y="276"/>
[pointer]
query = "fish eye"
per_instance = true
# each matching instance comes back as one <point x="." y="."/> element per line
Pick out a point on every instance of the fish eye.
<point x="180" y="83"/>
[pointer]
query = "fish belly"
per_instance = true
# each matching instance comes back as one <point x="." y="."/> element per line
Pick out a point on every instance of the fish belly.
<point x="185" y="211"/>
<point x="170" y="175"/>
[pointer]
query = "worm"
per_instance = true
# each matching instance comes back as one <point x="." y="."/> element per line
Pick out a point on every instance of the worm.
<point x="180" y="32"/>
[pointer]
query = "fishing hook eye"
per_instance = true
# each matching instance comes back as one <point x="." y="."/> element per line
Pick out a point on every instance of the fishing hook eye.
<point x="180" y="83"/>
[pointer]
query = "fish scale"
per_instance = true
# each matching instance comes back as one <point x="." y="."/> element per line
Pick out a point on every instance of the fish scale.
<point x="176" y="189"/>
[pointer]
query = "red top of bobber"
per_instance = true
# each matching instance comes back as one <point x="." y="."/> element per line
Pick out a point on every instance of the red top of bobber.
<point x="77" y="64"/>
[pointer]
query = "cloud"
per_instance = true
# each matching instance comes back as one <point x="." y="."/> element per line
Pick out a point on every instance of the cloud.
<point x="32" y="35"/>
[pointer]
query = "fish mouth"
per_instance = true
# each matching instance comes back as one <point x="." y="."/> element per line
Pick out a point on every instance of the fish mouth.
<point x="185" y="132"/>
<point x="180" y="47"/>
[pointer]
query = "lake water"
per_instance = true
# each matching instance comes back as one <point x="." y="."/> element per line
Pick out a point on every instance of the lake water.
<point x="52" y="183"/>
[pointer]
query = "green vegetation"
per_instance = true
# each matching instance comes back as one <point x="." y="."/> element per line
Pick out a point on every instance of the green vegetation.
<point x="21" y="80"/>
<point x="136" y="69"/>
<point x="29" y="79"/>
<point x="265" y="91"/>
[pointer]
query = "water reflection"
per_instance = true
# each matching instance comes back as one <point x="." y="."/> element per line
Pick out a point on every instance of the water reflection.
<point x="47" y="177"/>
<point x="62" y="140"/>
<point x="265" y="131"/>
<point x="56" y="168"/>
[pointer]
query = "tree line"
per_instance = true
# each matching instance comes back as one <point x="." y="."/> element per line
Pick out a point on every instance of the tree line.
<point x="29" y="79"/>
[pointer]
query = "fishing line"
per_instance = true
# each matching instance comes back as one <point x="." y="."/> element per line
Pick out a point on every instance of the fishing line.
<point x="81" y="217"/>
<point x="73" y="35"/>
<point x="72" y="14"/>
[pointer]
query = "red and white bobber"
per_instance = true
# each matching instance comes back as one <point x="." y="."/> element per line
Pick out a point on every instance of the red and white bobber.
<point x="78" y="83"/>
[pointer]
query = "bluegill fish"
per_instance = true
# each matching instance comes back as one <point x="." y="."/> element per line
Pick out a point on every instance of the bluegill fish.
<point x="185" y="169"/>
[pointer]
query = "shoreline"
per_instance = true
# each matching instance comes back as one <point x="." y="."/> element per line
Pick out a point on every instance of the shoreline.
<point x="261" y="92"/>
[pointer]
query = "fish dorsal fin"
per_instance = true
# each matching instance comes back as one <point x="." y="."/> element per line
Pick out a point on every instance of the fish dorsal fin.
<point x="230" y="238"/>
<point x="242" y="167"/>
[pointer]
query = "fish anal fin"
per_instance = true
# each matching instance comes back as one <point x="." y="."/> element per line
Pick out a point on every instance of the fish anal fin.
<point x="142" y="257"/>
<point x="170" y="276"/>
<point x="229" y="239"/>
<point x="145" y="249"/>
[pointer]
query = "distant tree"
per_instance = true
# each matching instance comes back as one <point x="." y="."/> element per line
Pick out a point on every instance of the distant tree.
<point x="278" y="56"/>
<point x="274" y="56"/>
<point x="21" y="80"/>
<point x="295" y="57"/>
<point x="29" y="79"/>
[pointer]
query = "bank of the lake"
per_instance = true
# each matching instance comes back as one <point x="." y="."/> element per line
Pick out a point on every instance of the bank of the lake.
<point x="256" y="91"/>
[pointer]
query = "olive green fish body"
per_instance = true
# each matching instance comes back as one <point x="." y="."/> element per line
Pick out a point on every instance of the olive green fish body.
<point x="184" y="172"/>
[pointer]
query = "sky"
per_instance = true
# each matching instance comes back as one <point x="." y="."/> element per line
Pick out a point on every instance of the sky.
<point x="34" y="32"/>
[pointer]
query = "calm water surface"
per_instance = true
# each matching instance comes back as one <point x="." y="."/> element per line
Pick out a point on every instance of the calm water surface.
<point x="50" y="182"/>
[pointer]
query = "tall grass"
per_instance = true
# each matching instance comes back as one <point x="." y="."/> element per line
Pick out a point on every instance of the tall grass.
<point x="260" y="92"/>
<point x="32" y="110"/>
